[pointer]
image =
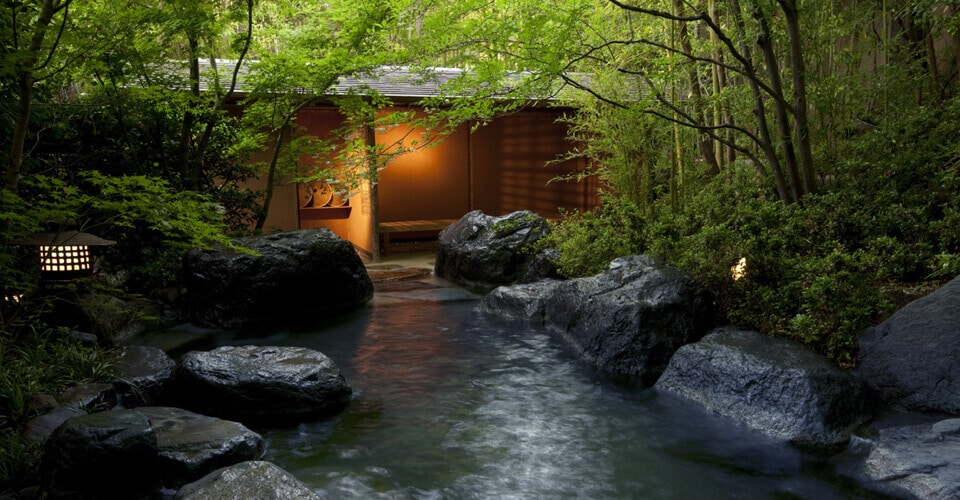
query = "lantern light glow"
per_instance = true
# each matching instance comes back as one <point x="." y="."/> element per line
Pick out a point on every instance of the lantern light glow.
<point x="65" y="258"/>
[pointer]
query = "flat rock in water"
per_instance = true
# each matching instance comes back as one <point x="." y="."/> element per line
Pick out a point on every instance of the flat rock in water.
<point x="920" y="460"/>
<point x="773" y="385"/>
<point x="143" y="375"/>
<point x="111" y="454"/>
<point x="255" y="479"/>
<point x="262" y="384"/>
<point x="191" y="445"/>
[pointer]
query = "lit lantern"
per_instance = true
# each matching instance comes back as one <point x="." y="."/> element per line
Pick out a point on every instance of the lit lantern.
<point x="739" y="270"/>
<point x="66" y="255"/>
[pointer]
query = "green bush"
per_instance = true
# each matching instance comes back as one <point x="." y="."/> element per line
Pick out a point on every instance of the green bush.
<point x="588" y="241"/>
<point x="37" y="360"/>
<point x="884" y="230"/>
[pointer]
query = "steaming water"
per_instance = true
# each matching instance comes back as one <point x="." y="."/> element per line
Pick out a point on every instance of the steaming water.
<point x="452" y="404"/>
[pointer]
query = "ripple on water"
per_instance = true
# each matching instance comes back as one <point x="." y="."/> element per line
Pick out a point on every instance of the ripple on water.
<point x="449" y="404"/>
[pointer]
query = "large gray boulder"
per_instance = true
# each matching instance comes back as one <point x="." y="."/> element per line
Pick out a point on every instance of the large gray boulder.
<point x="527" y="301"/>
<point x="481" y="251"/>
<point x="262" y="384"/>
<point x="295" y="274"/>
<point x="776" y="386"/>
<point x="133" y="453"/>
<point x="255" y="479"/>
<point x="631" y="318"/>
<point x="191" y="445"/>
<point x="111" y="454"/>
<point x="921" y="461"/>
<point x="143" y="376"/>
<point x="913" y="358"/>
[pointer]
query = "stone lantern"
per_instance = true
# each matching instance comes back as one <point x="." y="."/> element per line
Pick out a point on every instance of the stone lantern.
<point x="65" y="256"/>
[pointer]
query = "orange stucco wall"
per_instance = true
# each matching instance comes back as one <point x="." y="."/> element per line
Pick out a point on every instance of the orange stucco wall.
<point x="498" y="168"/>
<point x="511" y="166"/>
<point x="430" y="183"/>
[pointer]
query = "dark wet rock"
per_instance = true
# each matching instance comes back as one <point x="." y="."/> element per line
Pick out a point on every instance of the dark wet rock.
<point x="917" y="460"/>
<point x="143" y="375"/>
<point x="110" y="454"/>
<point x="523" y="301"/>
<point x="92" y="397"/>
<point x="255" y="479"/>
<point x="39" y="428"/>
<point x="83" y="338"/>
<point x="295" y="274"/>
<point x="114" y="321"/>
<point x="191" y="445"/>
<point x="41" y="402"/>
<point x="541" y="266"/>
<point x="773" y="385"/>
<point x="482" y="252"/>
<point x="262" y="384"/>
<point x="631" y="318"/>
<point x="913" y="358"/>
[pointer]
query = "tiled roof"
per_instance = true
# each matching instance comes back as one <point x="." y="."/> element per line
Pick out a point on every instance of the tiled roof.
<point x="391" y="81"/>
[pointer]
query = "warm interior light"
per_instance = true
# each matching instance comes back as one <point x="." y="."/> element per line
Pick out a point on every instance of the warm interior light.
<point x="64" y="258"/>
<point x="13" y="298"/>
<point x="739" y="270"/>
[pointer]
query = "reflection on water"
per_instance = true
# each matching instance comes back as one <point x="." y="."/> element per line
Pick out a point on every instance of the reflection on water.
<point x="450" y="404"/>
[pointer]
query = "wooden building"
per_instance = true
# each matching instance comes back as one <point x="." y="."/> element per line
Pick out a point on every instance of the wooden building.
<point x="502" y="166"/>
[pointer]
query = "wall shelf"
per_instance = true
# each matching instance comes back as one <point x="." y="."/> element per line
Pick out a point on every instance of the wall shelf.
<point x="323" y="213"/>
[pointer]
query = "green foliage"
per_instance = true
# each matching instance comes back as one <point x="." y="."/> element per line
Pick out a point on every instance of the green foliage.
<point x="152" y="223"/>
<point x="37" y="360"/>
<point x="588" y="241"/>
<point x="886" y="232"/>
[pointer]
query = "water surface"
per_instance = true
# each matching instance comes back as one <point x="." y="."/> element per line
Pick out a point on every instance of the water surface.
<point x="452" y="404"/>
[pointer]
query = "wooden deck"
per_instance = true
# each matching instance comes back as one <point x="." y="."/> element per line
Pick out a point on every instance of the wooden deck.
<point x="410" y="226"/>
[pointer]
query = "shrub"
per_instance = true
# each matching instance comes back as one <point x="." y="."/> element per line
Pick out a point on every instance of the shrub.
<point x="588" y="241"/>
<point x="884" y="230"/>
<point x="36" y="360"/>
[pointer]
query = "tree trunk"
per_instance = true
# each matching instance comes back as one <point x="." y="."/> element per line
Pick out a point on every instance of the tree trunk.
<point x="204" y="141"/>
<point x="703" y="141"/>
<point x="726" y="154"/>
<point x="271" y="178"/>
<point x="779" y="102"/>
<point x="25" y="80"/>
<point x="370" y="139"/>
<point x="15" y="161"/>
<point x="798" y="70"/>
<point x="189" y="119"/>
<point x="759" y="109"/>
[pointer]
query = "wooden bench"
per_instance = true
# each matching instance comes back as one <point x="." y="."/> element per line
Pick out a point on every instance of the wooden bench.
<point x="410" y="226"/>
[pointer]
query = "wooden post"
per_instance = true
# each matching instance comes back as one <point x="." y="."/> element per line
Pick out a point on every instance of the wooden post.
<point x="373" y="174"/>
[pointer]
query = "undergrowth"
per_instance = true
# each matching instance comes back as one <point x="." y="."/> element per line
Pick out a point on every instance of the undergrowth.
<point x="884" y="230"/>
<point x="37" y="359"/>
